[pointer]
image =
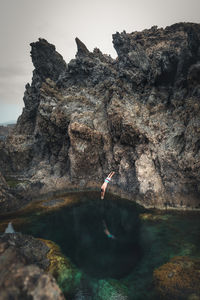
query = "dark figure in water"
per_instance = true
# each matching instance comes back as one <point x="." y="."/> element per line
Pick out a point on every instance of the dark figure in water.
<point x="107" y="232"/>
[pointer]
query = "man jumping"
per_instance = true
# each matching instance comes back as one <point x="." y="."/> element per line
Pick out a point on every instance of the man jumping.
<point x="103" y="190"/>
<point x="104" y="185"/>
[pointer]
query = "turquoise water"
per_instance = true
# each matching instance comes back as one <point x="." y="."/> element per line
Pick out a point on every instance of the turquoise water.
<point x="114" y="268"/>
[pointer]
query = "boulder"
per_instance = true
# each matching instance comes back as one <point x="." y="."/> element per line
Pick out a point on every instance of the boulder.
<point x="178" y="279"/>
<point x="22" y="263"/>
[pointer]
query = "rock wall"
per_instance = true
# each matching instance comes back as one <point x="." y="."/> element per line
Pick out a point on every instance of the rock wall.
<point x="7" y="199"/>
<point x="138" y="114"/>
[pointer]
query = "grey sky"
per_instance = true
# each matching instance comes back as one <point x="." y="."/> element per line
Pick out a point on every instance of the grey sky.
<point x="60" y="21"/>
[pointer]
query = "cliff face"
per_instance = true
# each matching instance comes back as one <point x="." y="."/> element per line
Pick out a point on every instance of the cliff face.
<point x="138" y="115"/>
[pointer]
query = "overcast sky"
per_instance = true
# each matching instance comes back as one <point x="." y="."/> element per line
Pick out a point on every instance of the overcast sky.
<point x="60" y="21"/>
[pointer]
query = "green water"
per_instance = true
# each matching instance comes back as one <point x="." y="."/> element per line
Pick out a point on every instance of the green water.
<point x="114" y="268"/>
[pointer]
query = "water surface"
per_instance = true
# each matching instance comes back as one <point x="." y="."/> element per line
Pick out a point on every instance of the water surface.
<point x="114" y="268"/>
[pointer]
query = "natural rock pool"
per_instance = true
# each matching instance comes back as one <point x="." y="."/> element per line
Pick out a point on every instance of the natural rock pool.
<point x="99" y="267"/>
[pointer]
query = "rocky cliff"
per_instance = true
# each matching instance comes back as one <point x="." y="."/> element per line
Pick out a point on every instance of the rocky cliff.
<point x="138" y="114"/>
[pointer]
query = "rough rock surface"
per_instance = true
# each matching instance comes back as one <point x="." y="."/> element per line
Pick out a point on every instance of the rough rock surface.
<point x="178" y="279"/>
<point x="138" y="114"/>
<point x="5" y="130"/>
<point x="21" y="260"/>
<point x="7" y="199"/>
<point x="16" y="193"/>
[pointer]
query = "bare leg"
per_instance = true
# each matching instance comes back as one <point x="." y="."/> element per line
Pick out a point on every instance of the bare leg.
<point x="103" y="189"/>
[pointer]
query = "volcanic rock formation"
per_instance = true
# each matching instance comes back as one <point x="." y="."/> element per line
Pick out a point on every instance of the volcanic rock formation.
<point x="22" y="269"/>
<point x="138" y="114"/>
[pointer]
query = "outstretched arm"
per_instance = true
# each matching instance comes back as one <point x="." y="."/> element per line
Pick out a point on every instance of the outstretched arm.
<point x="111" y="174"/>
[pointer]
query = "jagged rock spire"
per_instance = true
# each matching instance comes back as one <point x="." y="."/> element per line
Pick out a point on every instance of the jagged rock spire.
<point x="46" y="60"/>
<point x="81" y="48"/>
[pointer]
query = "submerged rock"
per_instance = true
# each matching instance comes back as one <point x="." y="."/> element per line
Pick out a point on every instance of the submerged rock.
<point x="22" y="259"/>
<point x="138" y="115"/>
<point x="111" y="289"/>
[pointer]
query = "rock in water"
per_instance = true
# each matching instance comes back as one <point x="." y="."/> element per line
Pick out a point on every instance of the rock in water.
<point x="178" y="279"/>
<point x="138" y="114"/>
<point x="9" y="228"/>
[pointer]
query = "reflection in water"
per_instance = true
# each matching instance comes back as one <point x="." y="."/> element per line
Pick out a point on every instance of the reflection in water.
<point x="80" y="232"/>
<point x="107" y="232"/>
<point x="119" y="268"/>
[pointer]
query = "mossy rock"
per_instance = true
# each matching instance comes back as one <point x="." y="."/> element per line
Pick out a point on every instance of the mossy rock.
<point x="154" y="217"/>
<point x="11" y="182"/>
<point x="15" y="182"/>
<point x="178" y="279"/>
<point x="67" y="275"/>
